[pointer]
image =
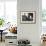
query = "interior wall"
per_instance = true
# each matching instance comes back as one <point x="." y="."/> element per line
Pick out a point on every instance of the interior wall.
<point x="29" y="31"/>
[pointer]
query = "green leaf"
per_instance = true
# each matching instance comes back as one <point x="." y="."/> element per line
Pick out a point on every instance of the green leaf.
<point x="1" y="21"/>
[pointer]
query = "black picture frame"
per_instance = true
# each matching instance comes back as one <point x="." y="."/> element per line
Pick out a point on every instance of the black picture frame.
<point x="28" y="17"/>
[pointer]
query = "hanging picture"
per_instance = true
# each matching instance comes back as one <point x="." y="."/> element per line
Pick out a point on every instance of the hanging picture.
<point x="28" y="17"/>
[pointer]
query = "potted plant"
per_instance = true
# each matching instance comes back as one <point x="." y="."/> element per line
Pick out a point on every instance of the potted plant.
<point x="1" y="22"/>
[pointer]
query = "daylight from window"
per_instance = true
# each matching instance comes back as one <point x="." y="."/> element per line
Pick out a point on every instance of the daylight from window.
<point x="44" y="12"/>
<point x="43" y="16"/>
<point x="8" y="11"/>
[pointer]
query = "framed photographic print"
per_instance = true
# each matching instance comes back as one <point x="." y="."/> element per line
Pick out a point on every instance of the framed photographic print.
<point x="28" y="17"/>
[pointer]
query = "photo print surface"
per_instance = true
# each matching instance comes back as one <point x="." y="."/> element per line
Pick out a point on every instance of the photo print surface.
<point x="28" y="17"/>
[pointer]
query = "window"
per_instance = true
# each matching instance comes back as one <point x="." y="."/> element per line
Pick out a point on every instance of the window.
<point x="44" y="16"/>
<point x="43" y="12"/>
<point x="8" y="11"/>
<point x="1" y="9"/>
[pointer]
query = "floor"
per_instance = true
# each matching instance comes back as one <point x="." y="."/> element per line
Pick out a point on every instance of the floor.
<point x="2" y="43"/>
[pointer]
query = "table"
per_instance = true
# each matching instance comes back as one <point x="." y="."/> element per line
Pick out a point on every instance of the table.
<point x="1" y="34"/>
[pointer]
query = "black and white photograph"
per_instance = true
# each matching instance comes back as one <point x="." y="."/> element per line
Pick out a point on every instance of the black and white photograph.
<point x="28" y="17"/>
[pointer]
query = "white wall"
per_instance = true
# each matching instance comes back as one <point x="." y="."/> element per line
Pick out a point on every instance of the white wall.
<point x="29" y="31"/>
